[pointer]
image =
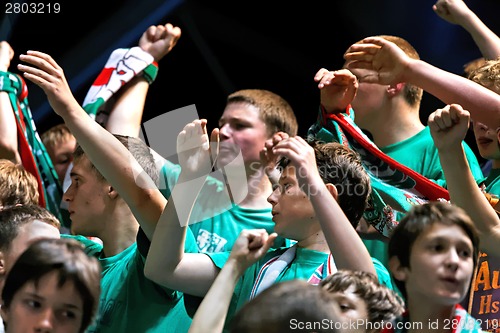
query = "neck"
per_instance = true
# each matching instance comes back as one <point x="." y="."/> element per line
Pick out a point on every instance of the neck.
<point x="431" y="314"/>
<point x="495" y="164"/>
<point x="120" y="232"/>
<point x="394" y="123"/>
<point x="315" y="241"/>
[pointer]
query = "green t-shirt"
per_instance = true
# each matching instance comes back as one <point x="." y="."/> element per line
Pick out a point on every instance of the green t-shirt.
<point x="492" y="182"/>
<point x="421" y="155"/>
<point x="220" y="220"/>
<point x="129" y="301"/>
<point x="303" y="266"/>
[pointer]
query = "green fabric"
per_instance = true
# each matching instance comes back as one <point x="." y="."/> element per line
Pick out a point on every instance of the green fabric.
<point x="132" y="303"/>
<point x="219" y="231"/>
<point x="420" y="154"/>
<point x="492" y="182"/>
<point x="302" y="267"/>
<point x="17" y="90"/>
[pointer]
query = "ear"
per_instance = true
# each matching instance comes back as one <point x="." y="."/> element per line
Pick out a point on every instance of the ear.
<point x="398" y="271"/>
<point x="2" y="265"/>
<point x="112" y="193"/>
<point x="394" y="89"/>
<point x="333" y="190"/>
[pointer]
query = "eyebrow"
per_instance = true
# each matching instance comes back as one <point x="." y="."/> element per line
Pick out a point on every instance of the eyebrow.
<point x="38" y="297"/>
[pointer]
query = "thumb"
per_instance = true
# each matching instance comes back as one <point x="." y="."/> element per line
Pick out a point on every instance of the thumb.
<point x="214" y="145"/>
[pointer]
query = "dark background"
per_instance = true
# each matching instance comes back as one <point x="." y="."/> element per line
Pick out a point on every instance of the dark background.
<point x="226" y="46"/>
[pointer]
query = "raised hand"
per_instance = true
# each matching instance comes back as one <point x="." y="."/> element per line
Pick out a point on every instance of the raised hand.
<point x="6" y="55"/>
<point x="269" y="159"/>
<point x="302" y="157"/>
<point x="250" y="246"/>
<point x="384" y="61"/>
<point x="159" y="40"/>
<point x="452" y="11"/>
<point x="449" y="126"/>
<point x="48" y="75"/>
<point x="337" y="88"/>
<point x="194" y="151"/>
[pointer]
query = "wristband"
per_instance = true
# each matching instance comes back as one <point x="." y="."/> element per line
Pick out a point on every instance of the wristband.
<point x="150" y="72"/>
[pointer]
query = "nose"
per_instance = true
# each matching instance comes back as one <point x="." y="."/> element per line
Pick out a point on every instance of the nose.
<point x="44" y="322"/>
<point x="224" y="132"/>
<point x="68" y="195"/>
<point x="453" y="259"/>
<point x="272" y="199"/>
<point x="480" y="126"/>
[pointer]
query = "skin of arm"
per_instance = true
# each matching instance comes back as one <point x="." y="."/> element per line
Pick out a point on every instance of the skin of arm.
<point x="250" y="246"/>
<point x="126" y="114"/>
<point x="388" y="64"/>
<point x="108" y="155"/>
<point x="166" y="263"/>
<point x="457" y="12"/>
<point x="448" y="128"/>
<point x="341" y="237"/>
<point x="8" y="129"/>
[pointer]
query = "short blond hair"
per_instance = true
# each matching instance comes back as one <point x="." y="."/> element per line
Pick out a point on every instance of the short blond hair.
<point x="17" y="185"/>
<point x="487" y="75"/>
<point x="55" y="135"/>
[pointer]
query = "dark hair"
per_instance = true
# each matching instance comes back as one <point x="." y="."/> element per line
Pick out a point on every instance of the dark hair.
<point x="273" y="310"/>
<point x="66" y="257"/>
<point x="382" y="303"/>
<point x="275" y="111"/>
<point x="14" y="217"/>
<point x="418" y="219"/>
<point x="342" y="167"/>
<point x="139" y="150"/>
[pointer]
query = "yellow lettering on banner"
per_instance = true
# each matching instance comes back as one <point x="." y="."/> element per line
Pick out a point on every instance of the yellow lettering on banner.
<point x="483" y="277"/>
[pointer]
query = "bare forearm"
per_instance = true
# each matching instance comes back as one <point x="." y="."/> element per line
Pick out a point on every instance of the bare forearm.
<point x="486" y="40"/>
<point x="342" y="238"/>
<point x="482" y="103"/>
<point x="212" y="312"/>
<point x="167" y="263"/>
<point x="465" y="193"/>
<point x="117" y="165"/>
<point x="126" y="115"/>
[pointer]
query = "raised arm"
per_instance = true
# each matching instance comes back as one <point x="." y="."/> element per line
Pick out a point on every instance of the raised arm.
<point x="108" y="155"/>
<point x="342" y="238"/>
<point x="250" y="246"/>
<point x="388" y="64"/>
<point x="457" y="12"/>
<point x="167" y="264"/>
<point x="126" y="114"/>
<point x="448" y="128"/>
<point x="8" y="129"/>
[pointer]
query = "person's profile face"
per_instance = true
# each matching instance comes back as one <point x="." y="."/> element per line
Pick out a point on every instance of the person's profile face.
<point x="45" y="307"/>
<point x="87" y="198"/>
<point x="292" y="210"/>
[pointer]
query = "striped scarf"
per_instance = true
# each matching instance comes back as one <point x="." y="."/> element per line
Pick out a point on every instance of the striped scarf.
<point x="389" y="178"/>
<point x="34" y="156"/>
<point x="272" y="269"/>
<point x="122" y="65"/>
